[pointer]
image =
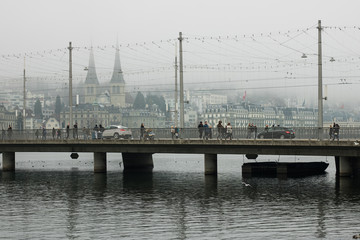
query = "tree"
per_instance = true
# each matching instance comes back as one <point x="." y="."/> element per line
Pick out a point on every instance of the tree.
<point x="139" y="102"/>
<point x="38" y="109"/>
<point x="159" y="101"/>
<point x="58" y="107"/>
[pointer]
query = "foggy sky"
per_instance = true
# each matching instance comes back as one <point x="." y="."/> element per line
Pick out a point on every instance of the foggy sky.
<point x="43" y="24"/>
<point x="37" y="25"/>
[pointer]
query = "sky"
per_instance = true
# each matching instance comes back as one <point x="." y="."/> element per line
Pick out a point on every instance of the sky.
<point x="46" y="26"/>
<point x="28" y="25"/>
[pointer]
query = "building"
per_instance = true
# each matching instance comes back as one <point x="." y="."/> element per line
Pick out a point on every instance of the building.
<point x="52" y="123"/>
<point x="243" y="114"/>
<point x="133" y="118"/>
<point x="7" y="118"/>
<point x="86" y="115"/>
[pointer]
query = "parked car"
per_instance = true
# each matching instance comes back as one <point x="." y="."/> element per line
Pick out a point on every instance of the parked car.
<point x="277" y="132"/>
<point x="117" y="132"/>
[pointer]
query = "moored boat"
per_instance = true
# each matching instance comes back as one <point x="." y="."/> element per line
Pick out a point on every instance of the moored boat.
<point x="274" y="168"/>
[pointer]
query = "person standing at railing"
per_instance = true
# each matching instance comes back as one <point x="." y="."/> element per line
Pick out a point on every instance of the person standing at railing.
<point x="228" y="131"/>
<point x="101" y="130"/>
<point x="336" y="129"/>
<point x="220" y="129"/>
<point x="201" y="130"/>
<point x="255" y="131"/>
<point x="206" y="130"/>
<point x="37" y="133"/>
<point x="142" y="131"/>
<point x="67" y="131"/>
<point x="53" y="133"/>
<point x="44" y="133"/>
<point x="172" y="131"/>
<point x="84" y="130"/>
<point x="177" y="132"/>
<point x="249" y="130"/>
<point x="75" y="132"/>
<point x="58" y="133"/>
<point x="96" y="129"/>
<point x="9" y="132"/>
<point x="331" y="132"/>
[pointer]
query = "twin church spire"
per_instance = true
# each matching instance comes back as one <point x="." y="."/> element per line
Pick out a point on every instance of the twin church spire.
<point x="116" y="91"/>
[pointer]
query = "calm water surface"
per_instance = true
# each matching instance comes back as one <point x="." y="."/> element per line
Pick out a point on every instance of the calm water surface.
<point x="54" y="197"/>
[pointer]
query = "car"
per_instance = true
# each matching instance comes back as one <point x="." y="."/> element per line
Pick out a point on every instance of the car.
<point x="277" y="132"/>
<point x="117" y="132"/>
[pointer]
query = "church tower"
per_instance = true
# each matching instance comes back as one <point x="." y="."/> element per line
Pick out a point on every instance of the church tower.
<point x="117" y="83"/>
<point x="91" y="82"/>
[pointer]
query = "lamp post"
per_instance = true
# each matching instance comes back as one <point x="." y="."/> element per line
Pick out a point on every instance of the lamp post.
<point x="70" y="85"/>
<point x="320" y="97"/>
<point x="181" y="82"/>
<point x="24" y="103"/>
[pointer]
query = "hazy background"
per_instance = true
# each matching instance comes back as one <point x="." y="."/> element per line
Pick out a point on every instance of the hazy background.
<point x="230" y="46"/>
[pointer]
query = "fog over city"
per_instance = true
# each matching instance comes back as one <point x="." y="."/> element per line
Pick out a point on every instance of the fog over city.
<point x="264" y="51"/>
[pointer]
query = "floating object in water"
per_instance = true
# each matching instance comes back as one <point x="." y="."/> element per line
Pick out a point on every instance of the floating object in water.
<point x="246" y="184"/>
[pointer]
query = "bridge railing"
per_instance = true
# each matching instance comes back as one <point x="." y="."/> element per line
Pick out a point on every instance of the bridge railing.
<point x="186" y="133"/>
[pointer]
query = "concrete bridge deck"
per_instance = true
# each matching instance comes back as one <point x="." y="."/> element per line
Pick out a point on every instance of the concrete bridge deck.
<point x="138" y="153"/>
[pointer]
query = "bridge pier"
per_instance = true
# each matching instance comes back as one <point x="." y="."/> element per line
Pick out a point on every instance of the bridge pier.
<point x="348" y="166"/>
<point x="210" y="164"/>
<point x="138" y="162"/>
<point x="99" y="162"/>
<point x="8" y="161"/>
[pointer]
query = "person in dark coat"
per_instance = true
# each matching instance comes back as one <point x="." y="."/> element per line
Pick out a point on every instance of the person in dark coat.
<point x="9" y="132"/>
<point x="53" y="133"/>
<point x="44" y="133"/>
<point x="67" y="131"/>
<point x="206" y="130"/>
<point x="201" y="130"/>
<point x="142" y="131"/>
<point x="75" y="132"/>
<point x="220" y="129"/>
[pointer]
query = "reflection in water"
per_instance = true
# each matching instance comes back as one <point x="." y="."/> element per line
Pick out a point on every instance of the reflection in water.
<point x="175" y="205"/>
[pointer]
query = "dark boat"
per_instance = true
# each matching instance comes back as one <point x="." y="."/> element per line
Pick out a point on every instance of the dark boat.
<point x="292" y="169"/>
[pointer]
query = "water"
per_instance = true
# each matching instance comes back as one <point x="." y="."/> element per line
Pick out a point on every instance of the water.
<point x="54" y="197"/>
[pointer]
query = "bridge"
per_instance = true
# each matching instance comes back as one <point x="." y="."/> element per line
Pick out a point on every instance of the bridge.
<point x="137" y="154"/>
